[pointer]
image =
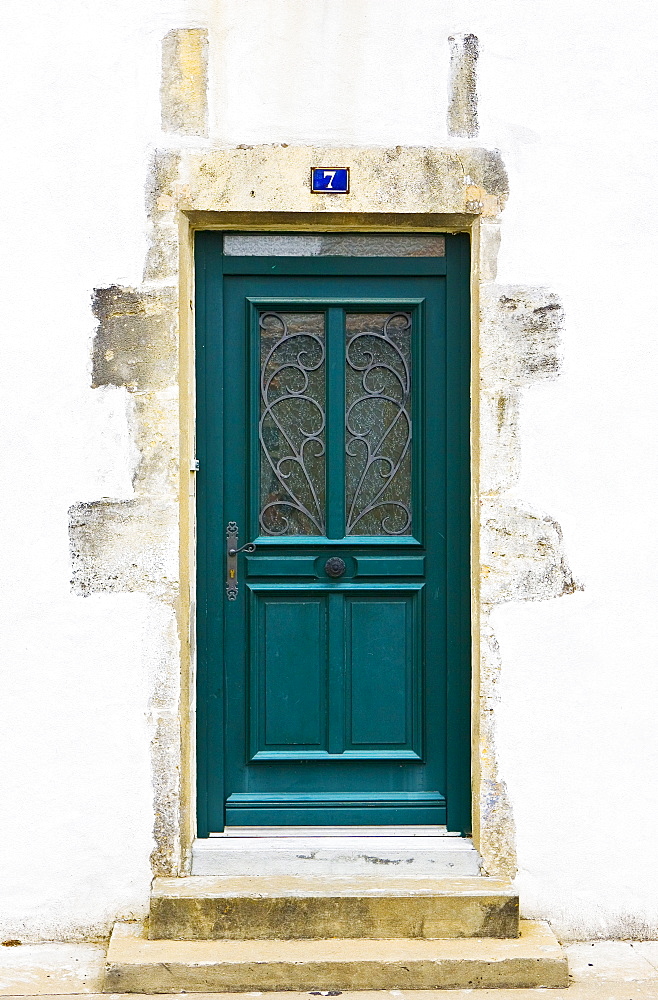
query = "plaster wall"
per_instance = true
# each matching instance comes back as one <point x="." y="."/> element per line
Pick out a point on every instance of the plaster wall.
<point x="91" y="700"/>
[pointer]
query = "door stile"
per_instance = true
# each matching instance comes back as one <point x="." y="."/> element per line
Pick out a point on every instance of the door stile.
<point x="429" y="466"/>
<point x="336" y="675"/>
<point x="458" y="468"/>
<point x="335" y="416"/>
<point x="252" y="406"/>
<point x="420" y="437"/>
<point x="209" y="349"/>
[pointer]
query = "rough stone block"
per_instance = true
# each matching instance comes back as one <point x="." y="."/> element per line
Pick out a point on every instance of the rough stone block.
<point x="292" y="907"/>
<point x="137" y="965"/>
<point x="520" y="330"/>
<point x="462" y="90"/>
<point x="125" y="545"/>
<point x="402" y="179"/>
<point x="184" y="89"/>
<point x="522" y="556"/>
<point x="135" y="344"/>
<point x="156" y="431"/>
<point x="500" y="445"/>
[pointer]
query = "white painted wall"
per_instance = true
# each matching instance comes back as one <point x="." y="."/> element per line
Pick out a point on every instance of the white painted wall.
<point x="80" y="110"/>
<point x="567" y="94"/>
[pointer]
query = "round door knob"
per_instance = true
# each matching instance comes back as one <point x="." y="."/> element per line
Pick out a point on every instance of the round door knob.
<point x="334" y="567"/>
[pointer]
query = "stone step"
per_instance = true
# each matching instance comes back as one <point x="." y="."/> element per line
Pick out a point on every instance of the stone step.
<point x="136" y="964"/>
<point x="412" y="856"/>
<point x="293" y="907"/>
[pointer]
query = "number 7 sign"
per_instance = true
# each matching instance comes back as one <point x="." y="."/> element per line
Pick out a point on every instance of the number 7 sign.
<point x="330" y="180"/>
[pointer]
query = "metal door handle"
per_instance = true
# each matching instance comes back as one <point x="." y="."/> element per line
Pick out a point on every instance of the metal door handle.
<point x="232" y="550"/>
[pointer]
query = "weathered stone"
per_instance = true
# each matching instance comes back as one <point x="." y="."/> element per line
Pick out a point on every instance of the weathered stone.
<point x="162" y="193"/>
<point x="404" y="179"/>
<point x="183" y="93"/>
<point x="138" y="965"/>
<point x="493" y="812"/>
<point x="156" y="431"/>
<point x="522" y="556"/>
<point x="490" y="237"/>
<point x="162" y="183"/>
<point x="462" y="86"/>
<point x="125" y="545"/>
<point x="520" y="329"/>
<point x="290" y="907"/>
<point x="166" y="854"/>
<point x="135" y="342"/>
<point x="500" y="445"/>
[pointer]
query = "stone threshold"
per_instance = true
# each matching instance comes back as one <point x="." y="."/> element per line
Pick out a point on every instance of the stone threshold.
<point x="420" y="856"/>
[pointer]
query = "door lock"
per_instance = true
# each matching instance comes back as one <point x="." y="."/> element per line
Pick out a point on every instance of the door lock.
<point x="232" y="550"/>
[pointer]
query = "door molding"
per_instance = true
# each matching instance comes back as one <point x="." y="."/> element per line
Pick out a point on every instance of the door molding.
<point x="291" y="222"/>
<point x="450" y="201"/>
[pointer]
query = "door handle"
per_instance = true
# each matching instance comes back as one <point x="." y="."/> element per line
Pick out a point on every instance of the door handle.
<point x="232" y="551"/>
<point x="334" y="567"/>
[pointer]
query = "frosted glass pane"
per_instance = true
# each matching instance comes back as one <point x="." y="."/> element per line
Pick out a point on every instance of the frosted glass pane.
<point x="378" y="424"/>
<point x="292" y="423"/>
<point x="334" y="245"/>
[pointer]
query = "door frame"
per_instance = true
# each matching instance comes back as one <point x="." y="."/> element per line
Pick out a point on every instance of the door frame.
<point x="460" y="311"/>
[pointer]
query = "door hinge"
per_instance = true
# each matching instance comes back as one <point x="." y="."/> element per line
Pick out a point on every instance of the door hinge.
<point x="194" y="465"/>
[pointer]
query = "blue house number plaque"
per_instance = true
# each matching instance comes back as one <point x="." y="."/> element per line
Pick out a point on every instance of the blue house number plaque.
<point x="330" y="180"/>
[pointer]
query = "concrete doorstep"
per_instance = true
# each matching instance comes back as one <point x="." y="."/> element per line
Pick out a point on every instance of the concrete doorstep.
<point x="293" y="907"/>
<point x="136" y="964"/>
<point x="599" y="970"/>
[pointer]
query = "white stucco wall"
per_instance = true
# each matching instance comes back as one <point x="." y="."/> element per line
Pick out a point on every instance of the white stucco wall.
<point x="566" y="94"/>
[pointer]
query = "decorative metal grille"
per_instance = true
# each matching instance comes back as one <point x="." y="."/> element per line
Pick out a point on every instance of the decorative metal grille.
<point x="378" y="424"/>
<point x="292" y="423"/>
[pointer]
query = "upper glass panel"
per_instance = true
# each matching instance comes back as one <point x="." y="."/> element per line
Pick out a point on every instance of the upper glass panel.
<point x="292" y="423"/>
<point x="378" y="424"/>
<point x="334" y="245"/>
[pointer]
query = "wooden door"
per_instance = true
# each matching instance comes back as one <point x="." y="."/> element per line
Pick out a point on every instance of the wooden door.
<point x="333" y="433"/>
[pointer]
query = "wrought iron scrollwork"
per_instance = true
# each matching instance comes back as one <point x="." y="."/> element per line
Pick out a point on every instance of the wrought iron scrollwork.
<point x="292" y="424"/>
<point x="378" y="424"/>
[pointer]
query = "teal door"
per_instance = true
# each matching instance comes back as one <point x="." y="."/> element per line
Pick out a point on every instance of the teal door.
<point x="333" y="433"/>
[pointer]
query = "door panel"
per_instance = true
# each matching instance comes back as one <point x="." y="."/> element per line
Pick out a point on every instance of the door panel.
<point x="331" y="690"/>
<point x="383" y="671"/>
<point x="289" y="679"/>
